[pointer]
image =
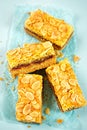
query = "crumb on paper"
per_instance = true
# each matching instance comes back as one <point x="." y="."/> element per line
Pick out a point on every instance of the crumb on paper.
<point x="43" y="118"/>
<point x="1" y="62"/>
<point x="28" y="126"/>
<point x="78" y="115"/>
<point x="60" y="121"/>
<point x="47" y="111"/>
<point x="13" y="88"/>
<point x="29" y="13"/>
<point x="1" y="79"/>
<point x="76" y="58"/>
<point x="59" y="54"/>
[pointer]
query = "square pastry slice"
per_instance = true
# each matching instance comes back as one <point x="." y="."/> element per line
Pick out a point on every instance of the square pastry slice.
<point x="47" y="28"/>
<point x="65" y="86"/>
<point x="30" y="57"/>
<point x="29" y="104"/>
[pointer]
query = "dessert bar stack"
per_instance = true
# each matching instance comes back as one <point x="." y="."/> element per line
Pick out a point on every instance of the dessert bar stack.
<point x="55" y="34"/>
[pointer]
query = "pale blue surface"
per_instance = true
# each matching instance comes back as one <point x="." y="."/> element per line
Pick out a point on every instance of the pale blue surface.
<point x="8" y="97"/>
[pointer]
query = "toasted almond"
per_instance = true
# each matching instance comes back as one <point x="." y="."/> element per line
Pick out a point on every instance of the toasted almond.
<point x="62" y="27"/>
<point x="26" y="78"/>
<point x="34" y="114"/>
<point x="65" y="84"/>
<point x="38" y="92"/>
<point x="12" y="52"/>
<point x="63" y="67"/>
<point x="30" y="95"/>
<point x="36" y="85"/>
<point x="34" y="102"/>
<point x="73" y="82"/>
<point x="47" y="44"/>
<point x="36" y="106"/>
<point x="19" y="107"/>
<point x="27" y="109"/>
<point x="28" y="118"/>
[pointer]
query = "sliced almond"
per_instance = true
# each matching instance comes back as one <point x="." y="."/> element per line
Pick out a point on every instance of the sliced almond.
<point x="36" y="85"/>
<point x="34" y="114"/>
<point x="34" y="102"/>
<point x="63" y="67"/>
<point x="65" y="84"/>
<point x="19" y="107"/>
<point x="12" y="52"/>
<point x="73" y="82"/>
<point x="47" y="44"/>
<point x="26" y="78"/>
<point x="36" y="106"/>
<point x="28" y="118"/>
<point x="38" y="92"/>
<point x="62" y="27"/>
<point x="30" y="96"/>
<point x="27" y="109"/>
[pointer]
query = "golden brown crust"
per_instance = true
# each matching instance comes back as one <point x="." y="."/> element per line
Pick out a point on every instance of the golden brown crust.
<point x="29" y="104"/>
<point x="65" y="86"/>
<point x="47" y="28"/>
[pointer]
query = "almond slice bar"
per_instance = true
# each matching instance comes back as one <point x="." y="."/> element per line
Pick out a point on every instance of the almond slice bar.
<point x="29" y="104"/>
<point x="47" y="28"/>
<point x="65" y="86"/>
<point x="30" y="57"/>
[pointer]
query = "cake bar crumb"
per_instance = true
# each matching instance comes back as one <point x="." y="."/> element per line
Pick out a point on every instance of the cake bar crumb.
<point x="1" y="79"/>
<point x="60" y="121"/>
<point x="43" y="118"/>
<point x="76" y="58"/>
<point x="29" y="126"/>
<point x="47" y="111"/>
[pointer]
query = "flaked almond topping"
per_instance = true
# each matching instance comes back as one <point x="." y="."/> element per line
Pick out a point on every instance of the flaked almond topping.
<point x="34" y="114"/>
<point x="63" y="99"/>
<point x="36" y="106"/>
<point x="27" y="109"/>
<point x="74" y="97"/>
<point x="62" y="27"/>
<point x="36" y="85"/>
<point x="55" y="69"/>
<point x="38" y="92"/>
<point x="19" y="107"/>
<point x="34" y="102"/>
<point x="30" y="95"/>
<point x="63" y="67"/>
<point x="12" y="52"/>
<point x="28" y="118"/>
<point x="39" y="25"/>
<point x="73" y="82"/>
<point x="65" y="84"/>
<point x="47" y="44"/>
<point x="57" y="87"/>
<point x="26" y="79"/>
